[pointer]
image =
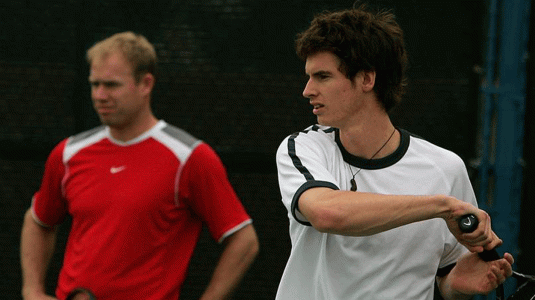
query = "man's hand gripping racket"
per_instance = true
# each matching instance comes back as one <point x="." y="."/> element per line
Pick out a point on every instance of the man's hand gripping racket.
<point x="526" y="291"/>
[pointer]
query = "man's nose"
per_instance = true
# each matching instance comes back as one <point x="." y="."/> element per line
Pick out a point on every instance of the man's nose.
<point x="99" y="92"/>
<point x="309" y="90"/>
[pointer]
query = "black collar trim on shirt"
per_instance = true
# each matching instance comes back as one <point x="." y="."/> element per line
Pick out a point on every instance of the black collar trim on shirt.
<point x="374" y="164"/>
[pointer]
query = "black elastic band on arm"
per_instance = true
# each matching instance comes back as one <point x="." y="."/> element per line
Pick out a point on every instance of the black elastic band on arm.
<point x="308" y="185"/>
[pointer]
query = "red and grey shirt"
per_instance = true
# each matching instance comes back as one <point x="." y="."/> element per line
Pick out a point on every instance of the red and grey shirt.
<point x="137" y="209"/>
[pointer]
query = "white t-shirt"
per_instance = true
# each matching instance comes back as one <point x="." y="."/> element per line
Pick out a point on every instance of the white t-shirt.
<point x="400" y="263"/>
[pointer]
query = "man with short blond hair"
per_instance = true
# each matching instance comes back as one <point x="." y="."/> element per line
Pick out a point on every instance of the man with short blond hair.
<point x="139" y="192"/>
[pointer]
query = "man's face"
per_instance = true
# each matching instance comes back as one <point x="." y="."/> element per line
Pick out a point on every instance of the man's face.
<point x="333" y="96"/>
<point x="117" y="98"/>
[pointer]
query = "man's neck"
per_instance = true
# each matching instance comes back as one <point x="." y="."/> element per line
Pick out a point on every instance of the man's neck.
<point x="133" y="130"/>
<point x="365" y="138"/>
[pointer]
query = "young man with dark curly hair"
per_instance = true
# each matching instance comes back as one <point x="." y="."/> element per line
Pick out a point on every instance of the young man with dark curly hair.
<point x="373" y="209"/>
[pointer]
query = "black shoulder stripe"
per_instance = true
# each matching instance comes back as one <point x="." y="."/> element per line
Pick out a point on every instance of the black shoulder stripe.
<point x="296" y="160"/>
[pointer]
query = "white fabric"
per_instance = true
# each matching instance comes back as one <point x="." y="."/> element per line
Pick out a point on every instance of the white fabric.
<point x="397" y="264"/>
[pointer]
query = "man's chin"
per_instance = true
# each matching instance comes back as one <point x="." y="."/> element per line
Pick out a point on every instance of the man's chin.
<point x="104" y="121"/>
<point x="109" y="122"/>
<point x="322" y="121"/>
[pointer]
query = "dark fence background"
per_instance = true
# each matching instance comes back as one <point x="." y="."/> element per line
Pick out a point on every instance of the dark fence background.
<point x="228" y="75"/>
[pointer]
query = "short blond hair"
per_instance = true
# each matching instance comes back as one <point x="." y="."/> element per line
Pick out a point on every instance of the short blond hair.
<point x="135" y="48"/>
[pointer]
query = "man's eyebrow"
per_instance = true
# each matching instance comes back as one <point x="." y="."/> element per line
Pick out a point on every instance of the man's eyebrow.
<point x="320" y="73"/>
<point x="109" y="83"/>
<point x="101" y="80"/>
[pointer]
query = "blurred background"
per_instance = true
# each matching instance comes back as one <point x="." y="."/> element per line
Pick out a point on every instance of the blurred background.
<point x="228" y="74"/>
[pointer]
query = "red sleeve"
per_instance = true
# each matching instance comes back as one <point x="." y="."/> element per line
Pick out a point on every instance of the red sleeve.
<point x="48" y="204"/>
<point x="204" y="185"/>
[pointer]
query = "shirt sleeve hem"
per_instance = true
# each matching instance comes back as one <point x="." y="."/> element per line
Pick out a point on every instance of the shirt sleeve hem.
<point x="295" y="201"/>
<point x="38" y="220"/>
<point x="234" y="229"/>
<point x="441" y="272"/>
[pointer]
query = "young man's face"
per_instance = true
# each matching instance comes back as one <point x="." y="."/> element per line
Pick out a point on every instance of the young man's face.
<point x="334" y="97"/>
<point x="117" y="98"/>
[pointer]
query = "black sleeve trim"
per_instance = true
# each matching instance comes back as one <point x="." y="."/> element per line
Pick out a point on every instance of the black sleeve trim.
<point x="445" y="271"/>
<point x="308" y="185"/>
<point x="296" y="160"/>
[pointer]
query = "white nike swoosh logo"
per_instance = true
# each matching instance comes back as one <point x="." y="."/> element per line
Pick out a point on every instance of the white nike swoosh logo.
<point x="114" y="170"/>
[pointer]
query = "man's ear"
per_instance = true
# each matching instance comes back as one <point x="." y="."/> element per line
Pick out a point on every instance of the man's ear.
<point x="368" y="80"/>
<point x="147" y="83"/>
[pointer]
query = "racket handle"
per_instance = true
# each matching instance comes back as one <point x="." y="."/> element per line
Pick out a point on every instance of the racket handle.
<point x="468" y="223"/>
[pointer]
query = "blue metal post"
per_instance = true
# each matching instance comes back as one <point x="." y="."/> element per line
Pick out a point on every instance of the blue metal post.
<point x="487" y="89"/>
<point x="504" y="93"/>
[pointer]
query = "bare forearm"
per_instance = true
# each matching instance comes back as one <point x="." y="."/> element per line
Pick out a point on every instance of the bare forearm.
<point x="36" y="249"/>
<point x="360" y="214"/>
<point x="240" y="251"/>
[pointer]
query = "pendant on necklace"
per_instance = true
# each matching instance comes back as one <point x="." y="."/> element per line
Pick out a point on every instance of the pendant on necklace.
<point x="352" y="181"/>
<point x="353" y="185"/>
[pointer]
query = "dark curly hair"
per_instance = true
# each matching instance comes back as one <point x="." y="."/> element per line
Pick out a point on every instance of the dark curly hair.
<point x="362" y="40"/>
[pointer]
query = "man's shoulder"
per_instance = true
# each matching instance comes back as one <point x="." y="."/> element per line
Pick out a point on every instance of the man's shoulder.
<point x="177" y="134"/>
<point x="432" y="152"/>
<point x="177" y="140"/>
<point x="313" y="132"/>
<point x="86" y="135"/>
<point x="312" y="137"/>
<point x="428" y="147"/>
<point x="75" y="143"/>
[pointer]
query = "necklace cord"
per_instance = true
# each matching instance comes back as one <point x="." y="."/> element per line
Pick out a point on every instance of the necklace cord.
<point x="352" y="181"/>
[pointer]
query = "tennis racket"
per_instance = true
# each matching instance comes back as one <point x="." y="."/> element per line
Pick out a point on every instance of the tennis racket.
<point x="526" y="290"/>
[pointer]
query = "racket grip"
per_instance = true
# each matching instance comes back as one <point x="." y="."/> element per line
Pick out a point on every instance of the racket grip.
<point x="468" y="223"/>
